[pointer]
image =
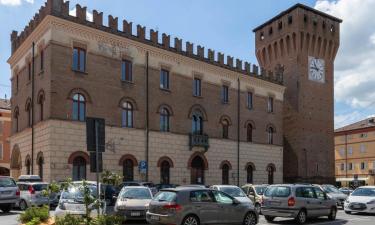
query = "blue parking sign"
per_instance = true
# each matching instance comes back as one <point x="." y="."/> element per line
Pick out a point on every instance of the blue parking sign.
<point x="143" y="166"/>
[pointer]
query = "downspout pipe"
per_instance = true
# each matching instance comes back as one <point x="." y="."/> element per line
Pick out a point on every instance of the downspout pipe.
<point x="238" y="130"/>
<point x="147" y="115"/>
<point x="32" y="106"/>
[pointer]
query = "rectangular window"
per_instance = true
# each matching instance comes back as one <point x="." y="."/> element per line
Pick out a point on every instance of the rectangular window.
<point x="342" y="152"/>
<point x="41" y="60"/>
<point x="164" y="79"/>
<point x="126" y="70"/>
<point x="17" y="82"/>
<point x="29" y="70"/>
<point x="350" y="167"/>
<point x="342" y="166"/>
<point x="197" y="89"/>
<point x="363" y="148"/>
<point x="363" y="165"/>
<point x="1" y="151"/>
<point x="363" y="135"/>
<point x="249" y="100"/>
<point x="79" y="59"/>
<point x="350" y="151"/>
<point x="270" y="105"/>
<point x="225" y="94"/>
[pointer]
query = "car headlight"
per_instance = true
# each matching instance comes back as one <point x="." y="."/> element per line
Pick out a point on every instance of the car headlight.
<point x="371" y="202"/>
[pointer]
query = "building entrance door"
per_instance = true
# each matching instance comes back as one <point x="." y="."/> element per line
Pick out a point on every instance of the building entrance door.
<point x="197" y="170"/>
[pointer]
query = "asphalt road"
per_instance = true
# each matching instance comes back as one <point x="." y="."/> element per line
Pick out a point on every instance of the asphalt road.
<point x="342" y="218"/>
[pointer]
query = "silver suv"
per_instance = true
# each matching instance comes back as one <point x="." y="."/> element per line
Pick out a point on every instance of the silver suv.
<point x="194" y="206"/>
<point x="297" y="201"/>
<point x="9" y="193"/>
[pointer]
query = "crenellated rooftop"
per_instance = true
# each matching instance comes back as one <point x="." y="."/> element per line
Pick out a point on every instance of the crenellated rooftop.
<point x="60" y="9"/>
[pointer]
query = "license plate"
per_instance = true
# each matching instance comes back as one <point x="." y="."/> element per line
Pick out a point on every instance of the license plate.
<point x="153" y="217"/>
<point x="356" y="206"/>
<point x="135" y="214"/>
<point x="6" y="192"/>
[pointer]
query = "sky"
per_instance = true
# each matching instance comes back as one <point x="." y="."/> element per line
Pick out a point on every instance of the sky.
<point x="226" y="26"/>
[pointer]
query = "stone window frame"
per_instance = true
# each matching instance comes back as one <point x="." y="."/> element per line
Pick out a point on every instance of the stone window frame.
<point x="271" y="106"/>
<point x="252" y="123"/>
<point x="125" y="57"/>
<point x="270" y="135"/>
<point x="28" y="106"/>
<point x="199" y="76"/>
<point x="227" y="84"/>
<point x="134" y="108"/>
<point x="40" y="100"/>
<point x="170" y="113"/>
<point x="41" y="53"/>
<point x="225" y="133"/>
<point x="167" y="68"/>
<point x="252" y="91"/>
<point x="77" y="44"/>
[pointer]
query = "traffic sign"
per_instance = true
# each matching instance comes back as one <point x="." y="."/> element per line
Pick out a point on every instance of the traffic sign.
<point x="142" y="166"/>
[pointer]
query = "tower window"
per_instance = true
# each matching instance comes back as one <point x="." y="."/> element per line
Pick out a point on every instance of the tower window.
<point x="290" y="19"/>
<point x="261" y="36"/>
<point x="305" y="18"/>
<point x="270" y="31"/>
<point x="280" y="25"/>
<point x="324" y="24"/>
<point x="332" y="29"/>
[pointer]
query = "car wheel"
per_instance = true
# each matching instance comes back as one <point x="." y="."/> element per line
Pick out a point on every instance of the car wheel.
<point x="6" y="208"/>
<point x="332" y="215"/>
<point x="348" y="212"/>
<point x="190" y="220"/>
<point x="250" y="219"/>
<point x="301" y="217"/>
<point x="257" y="208"/>
<point x="269" y="218"/>
<point x="23" y="205"/>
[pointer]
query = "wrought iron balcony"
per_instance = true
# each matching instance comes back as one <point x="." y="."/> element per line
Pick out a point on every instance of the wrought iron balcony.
<point x="198" y="140"/>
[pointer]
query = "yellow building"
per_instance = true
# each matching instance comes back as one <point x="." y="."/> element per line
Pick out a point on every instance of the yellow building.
<point x="355" y="153"/>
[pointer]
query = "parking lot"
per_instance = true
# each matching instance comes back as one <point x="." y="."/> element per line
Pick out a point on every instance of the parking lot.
<point x="342" y="218"/>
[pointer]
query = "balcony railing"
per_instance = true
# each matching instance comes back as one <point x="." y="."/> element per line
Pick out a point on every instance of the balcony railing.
<point x="198" y="140"/>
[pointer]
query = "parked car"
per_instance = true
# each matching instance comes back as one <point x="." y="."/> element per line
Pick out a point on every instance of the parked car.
<point x="9" y="193"/>
<point x="346" y="190"/>
<point x="255" y="193"/>
<point x="362" y="200"/>
<point x="233" y="191"/>
<point x="71" y="201"/>
<point x="139" y="183"/>
<point x="195" y="205"/>
<point x="334" y="193"/>
<point x="133" y="202"/>
<point x="31" y="194"/>
<point x="297" y="201"/>
<point x="163" y="186"/>
<point x="29" y="178"/>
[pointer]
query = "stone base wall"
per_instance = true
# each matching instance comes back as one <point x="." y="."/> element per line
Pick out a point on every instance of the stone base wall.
<point x="58" y="140"/>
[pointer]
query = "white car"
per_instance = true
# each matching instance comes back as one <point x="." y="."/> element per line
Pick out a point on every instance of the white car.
<point x="233" y="191"/>
<point x="362" y="200"/>
<point x="71" y="201"/>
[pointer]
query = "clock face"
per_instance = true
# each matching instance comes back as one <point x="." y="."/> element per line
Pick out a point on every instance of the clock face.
<point x="316" y="69"/>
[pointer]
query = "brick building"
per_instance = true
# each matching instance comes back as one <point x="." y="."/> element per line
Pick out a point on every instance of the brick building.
<point x="5" y="131"/>
<point x="355" y="153"/>
<point x="195" y="117"/>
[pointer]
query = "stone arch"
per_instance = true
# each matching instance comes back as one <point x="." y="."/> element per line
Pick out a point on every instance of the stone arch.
<point x="197" y="108"/>
<point x="128" y="99"/>
<point x="225" y="162"/>
<point x="16" y="112"/>
<point x="165" y="158"/>
<point x="249" y="122"/>
<point x="294" y="37"/>
<point x="225" y="117"/>
<point x="250" y="164"/>
<point x="128" y="156"/>
<point x="79" y="91"/>
<point x="81" y="154"/>
<point x="169" y="108"/>
<point x="287" y="44"/>
<point x="40" y="156"/>
<point x="28" y="104"/>
<point x="281" y="44"/>
<point x="271" y="126"/>
<point x="201" y="155"/>
<point x="275" y="50"/>
<point x="271" y="165"/>
<point x="15" y="158"/>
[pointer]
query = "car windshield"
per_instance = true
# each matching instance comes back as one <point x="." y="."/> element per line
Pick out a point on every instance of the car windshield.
<point x="330" y="189"/>
<point x="136" y="193"/>
<point x="233" y="191"/>
<point x="165" y="196"/>
<point x="277" y="191"/>
<point x="364" y="192"/>
<point x="39" y="187"/>
<point x="7" y="182"/>
<point x="260" y="190"/>
<point x="75" y="192"/>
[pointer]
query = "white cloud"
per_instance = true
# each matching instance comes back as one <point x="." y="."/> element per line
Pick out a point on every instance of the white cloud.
<point x="14" y="2"/>
<point x="355" y="61"/>
<point x="89" y="16"/>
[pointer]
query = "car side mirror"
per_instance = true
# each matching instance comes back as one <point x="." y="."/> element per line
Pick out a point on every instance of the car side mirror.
<point x="114" y="197"/>
<point x="236" y="202"/>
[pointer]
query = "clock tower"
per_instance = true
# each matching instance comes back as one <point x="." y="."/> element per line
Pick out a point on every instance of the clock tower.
<point x="304" y="42"/>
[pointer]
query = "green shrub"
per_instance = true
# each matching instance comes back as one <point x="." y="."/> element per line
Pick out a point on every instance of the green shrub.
<point x="34" y="221"/>
<point x="69" y="220"/>
<point x="34" y="212"/>
<point x="107" y="220"/>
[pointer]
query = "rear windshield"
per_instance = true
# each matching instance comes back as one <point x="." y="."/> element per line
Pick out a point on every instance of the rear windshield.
<point x="277" y="191"/>
<point x="39" y="187"/>
<point x="7" y="182"/>
<point x="260" y="190"/>
<point x="135" y="193"/>
<point x="166" y="196"/>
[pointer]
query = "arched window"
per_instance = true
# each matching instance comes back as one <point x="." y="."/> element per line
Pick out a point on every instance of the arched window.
<point x="41" y="99"/>
<point x="249" y="132"/>
<point x="40" y="166"/>
<point x="16" y="115"/>
<point x="79" y="168"/>
<point x="225" y="174"/>
<point x="225" y="127"/>
<point x="28" y="111"/>
<point x="270" y="132"/>
<point x="164" y="119"/>
<point x="197" y="123"/>
<point x="28" y="165"/>
<point x="249" y="172"/>
<point x="127" y="115"/>
<point x="165" y="172"/>
<point x="270" y="171"/>
<point x="79" y="107"/>
<point x="128" y="170"/>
